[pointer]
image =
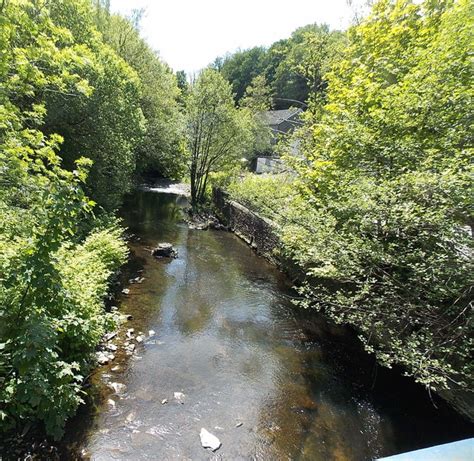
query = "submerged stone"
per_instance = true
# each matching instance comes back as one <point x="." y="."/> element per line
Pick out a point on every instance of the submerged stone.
<point x="179" y="396"/>
<point x="164" y="250"/>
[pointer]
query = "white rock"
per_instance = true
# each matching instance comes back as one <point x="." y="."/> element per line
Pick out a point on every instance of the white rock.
<point x="209" y="441"/>
<point x="102" y="358"/>
<point x="179" y="396"/>
<point x="116" y="368"/>
<point x="140" y="339"/>
<point x="111" y="403"/>
<point x="111" y="347"/>
<point x="151" y="333"/>
<point x="117" y="387"/>
<point x="125" y="291"/>
<point x="164" y="401"/>
<point x="110" y="335"/>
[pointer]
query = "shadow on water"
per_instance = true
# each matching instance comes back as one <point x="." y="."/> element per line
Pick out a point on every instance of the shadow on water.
<point x="228" y="337"/>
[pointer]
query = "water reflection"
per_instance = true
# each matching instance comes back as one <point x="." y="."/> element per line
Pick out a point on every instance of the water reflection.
<point x="229" y="339"/>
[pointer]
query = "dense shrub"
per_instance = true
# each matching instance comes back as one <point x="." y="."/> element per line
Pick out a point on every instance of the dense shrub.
<point x="381" y="221"/>
<point x="51" y="296"/>
<point x="53" y="273"/>
<point x="270" y="195"/>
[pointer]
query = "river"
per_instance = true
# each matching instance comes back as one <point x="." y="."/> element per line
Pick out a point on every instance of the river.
<point x="271" y="381"/>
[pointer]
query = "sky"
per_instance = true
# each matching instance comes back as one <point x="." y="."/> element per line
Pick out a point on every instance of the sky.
<point x="190" y="34"/>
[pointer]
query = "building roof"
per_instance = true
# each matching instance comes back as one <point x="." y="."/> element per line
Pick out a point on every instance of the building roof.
<point x="275" y="117"/>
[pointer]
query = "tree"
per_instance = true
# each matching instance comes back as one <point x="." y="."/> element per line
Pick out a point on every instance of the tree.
<point x="55" y="270"/>
<point x="104" y="123"/>
<point x="241" y="67"/>
<point x="307" y="56"/>
<point x="313" y="51"/>
<point x="218" y="133"/>
<point x="183" y="85"/>
<point x="293" y="67"/>
<point x="381" y="230"/>
<point x="257" y="96"/>
<point x="257" y="100"/>
<point x="159" y="149"/>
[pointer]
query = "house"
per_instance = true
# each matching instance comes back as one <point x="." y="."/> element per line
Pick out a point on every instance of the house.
<point x="281" y="123"/>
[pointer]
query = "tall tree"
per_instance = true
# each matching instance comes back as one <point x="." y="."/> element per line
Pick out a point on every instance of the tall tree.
<point x="104" y="124"/>
<point x="241" y="67"/>
<point x="293" y="67"/>
<point x="218" y="133"/>
<point x="160" y="147"/>
<point x="54" y="272"/>
<point x="257" y="100"/>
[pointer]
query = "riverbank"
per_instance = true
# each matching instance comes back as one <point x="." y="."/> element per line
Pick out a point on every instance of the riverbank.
<point x="261" y="234"/>
<point x="271" y="381"/>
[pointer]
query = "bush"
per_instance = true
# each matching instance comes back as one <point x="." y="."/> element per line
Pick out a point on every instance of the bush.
<point x="270" y="195"/>
<point x="382" y="219"/>
<point x="51" y="308"/>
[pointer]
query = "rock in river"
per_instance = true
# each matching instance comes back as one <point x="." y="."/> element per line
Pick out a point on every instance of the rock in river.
<point x="118" y="388"/>
<point x="164" y="250"/>
<point x="209" y="440"/>
<point x="179" y="396"/>
<point x="102" y="358"/>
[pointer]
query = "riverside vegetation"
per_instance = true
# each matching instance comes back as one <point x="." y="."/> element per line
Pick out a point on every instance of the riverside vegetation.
<point x="376" y="209"/>
<point x="82" y="96"/>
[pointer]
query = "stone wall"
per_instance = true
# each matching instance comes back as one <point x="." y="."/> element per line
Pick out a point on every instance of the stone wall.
<point x="257" y="231"/>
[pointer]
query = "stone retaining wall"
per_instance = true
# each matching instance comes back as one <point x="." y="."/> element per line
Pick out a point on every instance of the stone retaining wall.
<point x="257" y="231"/>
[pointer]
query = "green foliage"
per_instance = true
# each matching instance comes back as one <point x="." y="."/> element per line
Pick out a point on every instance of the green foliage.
<point x="160" y="149"/>
<point x="257" y="95"/>
<point x="51" y="310"/>
<point x="387" y="176"/>
<point x="381" y="221"/>
<point x="270" y="195"/>
<point x="257" y="100"/>
<point x="183" y="85"/>
<point x="52" y="281"/>
<point x="313" y="51"/>
<point x="219" y="134"/>
<point x="293" y="67"/>
<point x="60" y="73"/>
<point x="241" y="68"/>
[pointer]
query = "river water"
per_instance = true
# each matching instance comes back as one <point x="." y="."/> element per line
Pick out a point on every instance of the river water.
<point x="271" y="381"/>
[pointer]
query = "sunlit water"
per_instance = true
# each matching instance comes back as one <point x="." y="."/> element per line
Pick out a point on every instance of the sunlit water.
<point x="228" y="338"/>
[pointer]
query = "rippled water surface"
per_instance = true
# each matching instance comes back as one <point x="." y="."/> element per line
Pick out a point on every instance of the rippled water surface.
<point x="228" y="338"/>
